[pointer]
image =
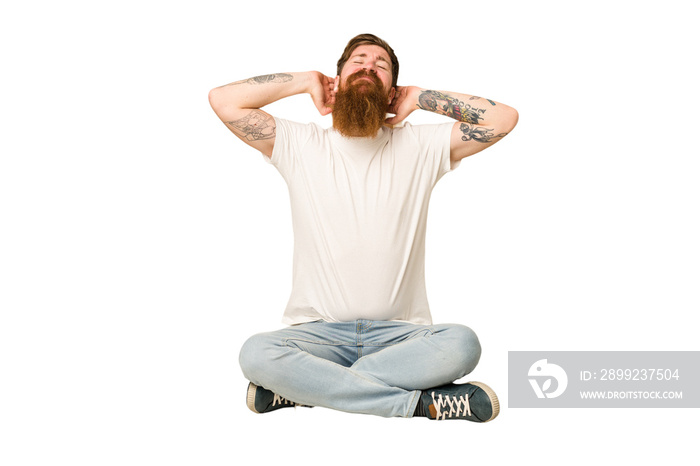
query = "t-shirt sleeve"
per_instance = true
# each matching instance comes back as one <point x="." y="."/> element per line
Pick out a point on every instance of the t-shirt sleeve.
<point x="284" y="147"/>
<point x="290" y="138"/>
<point x="435" y="142"/>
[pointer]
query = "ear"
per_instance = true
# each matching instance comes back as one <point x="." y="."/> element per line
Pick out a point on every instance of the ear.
<point x="392" y="93"/>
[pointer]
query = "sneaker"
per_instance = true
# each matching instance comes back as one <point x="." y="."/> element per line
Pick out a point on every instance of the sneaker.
<point x="260" y="400"/>
<point x="473" y="401"/>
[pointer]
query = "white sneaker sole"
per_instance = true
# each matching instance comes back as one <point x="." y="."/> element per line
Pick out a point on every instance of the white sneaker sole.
<point x="250" y="398"/>
<point x="496" y="406"/>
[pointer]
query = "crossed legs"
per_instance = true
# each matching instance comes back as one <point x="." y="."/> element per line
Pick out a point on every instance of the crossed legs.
<point x="367" y="367"/>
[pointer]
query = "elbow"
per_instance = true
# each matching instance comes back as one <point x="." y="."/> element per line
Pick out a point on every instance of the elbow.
<point x="221" y="102"/>
<point x="215" y="98"/>
<point x="512" y="118"/>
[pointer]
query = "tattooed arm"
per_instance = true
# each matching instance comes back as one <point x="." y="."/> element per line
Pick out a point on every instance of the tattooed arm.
<point x="239" y="104"/>
<point x="480" y="122"/>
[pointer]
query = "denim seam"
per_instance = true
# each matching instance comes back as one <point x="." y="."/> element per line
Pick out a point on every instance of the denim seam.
<point x="411" y="406"/>
<point x="317" y="342"/>
<point x="381" y="344"/>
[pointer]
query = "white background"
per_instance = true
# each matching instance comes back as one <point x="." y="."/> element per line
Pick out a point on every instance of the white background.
<point x="142" y="243"/>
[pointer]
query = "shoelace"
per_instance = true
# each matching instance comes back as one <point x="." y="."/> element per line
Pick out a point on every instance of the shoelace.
<point x="454" y="403"/>
<point x="279" y="400"/>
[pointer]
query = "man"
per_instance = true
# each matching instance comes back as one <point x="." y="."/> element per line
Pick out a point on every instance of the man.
<point x="360" y="336"/>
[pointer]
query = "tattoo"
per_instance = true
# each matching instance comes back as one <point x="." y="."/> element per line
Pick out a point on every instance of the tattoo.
<point x="267" y="78"/>
<point x="439" y="102"/>
<point x="478" y="133"/>
<point x="255" y="126"/>
<point x="488" y="100"/>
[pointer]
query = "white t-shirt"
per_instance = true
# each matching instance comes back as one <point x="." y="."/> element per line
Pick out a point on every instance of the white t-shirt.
<point x="359" y="211"/>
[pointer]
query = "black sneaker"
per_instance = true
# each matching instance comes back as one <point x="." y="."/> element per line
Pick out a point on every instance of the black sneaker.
<point x="473" y="401"/>
<point x="260" y="400"/>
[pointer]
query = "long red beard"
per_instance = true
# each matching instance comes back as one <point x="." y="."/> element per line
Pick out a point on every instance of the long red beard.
<point x="360" y="107"/>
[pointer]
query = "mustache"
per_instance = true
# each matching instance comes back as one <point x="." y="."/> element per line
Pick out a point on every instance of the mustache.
<point x="364" y="74"/>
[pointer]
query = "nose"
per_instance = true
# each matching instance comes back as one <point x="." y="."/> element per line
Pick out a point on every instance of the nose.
<point x="370" y="66"/>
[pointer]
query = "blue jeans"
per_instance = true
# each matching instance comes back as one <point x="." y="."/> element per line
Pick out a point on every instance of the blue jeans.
<point x="369" y="367"/>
